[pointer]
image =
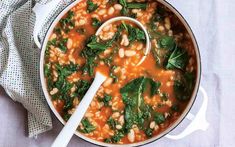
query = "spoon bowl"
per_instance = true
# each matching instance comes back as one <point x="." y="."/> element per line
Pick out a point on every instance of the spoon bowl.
<point x="140" y="25"/>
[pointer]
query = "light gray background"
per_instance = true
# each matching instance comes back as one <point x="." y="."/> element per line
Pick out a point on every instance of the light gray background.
<point x="213" y="23"/>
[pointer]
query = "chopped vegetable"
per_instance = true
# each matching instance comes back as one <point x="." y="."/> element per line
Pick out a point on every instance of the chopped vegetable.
<point x="67" y="23"/>
<point x="105" y="99"/>
<point x="159" y="118"/>
<point x="149" y="132"/>
<point x="136" y="5"/>
<point x="87" y="127"/>
<point x="81" y="31"/>
<point x="82" y="87"/>
<point x="178" y="59"/>
<point x="167" y="42"/>
<point x="164" y="96"/>
<point x="96" y="22"/>
<point x="91" y="6"/>
<point x="183" y="88"/>
<point x="133" y="5"/>
<point x="112" y="123"/>
<point x="115" y="138"/>
<point x="154" y="87"/>
<point x="135" y="34"/>
<point x="136" y="111"/>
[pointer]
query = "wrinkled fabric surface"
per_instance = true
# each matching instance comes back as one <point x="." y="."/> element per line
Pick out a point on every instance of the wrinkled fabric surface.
<point x="19" y="61"/>
<point x="213" y="24"/>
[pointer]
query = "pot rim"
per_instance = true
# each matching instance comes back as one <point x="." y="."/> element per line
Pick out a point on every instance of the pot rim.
<point x="154" y="138"/>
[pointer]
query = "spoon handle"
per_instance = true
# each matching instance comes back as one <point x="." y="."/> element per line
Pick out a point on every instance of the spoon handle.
<point x="67" y="132"/>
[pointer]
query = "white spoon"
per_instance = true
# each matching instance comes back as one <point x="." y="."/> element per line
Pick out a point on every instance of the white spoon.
<point x="70" y="127"/>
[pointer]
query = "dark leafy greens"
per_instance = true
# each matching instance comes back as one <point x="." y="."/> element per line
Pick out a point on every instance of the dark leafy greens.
<point x="91" y="6"/>
<point x="105" y="99"/>
<point x="90" y="52"/>
<point x="96" y="22"/>
<point x="167" y="42"/>
<point x="136" y="111"/>
<point x="87" y="126"/>
<point x="63" y="72"/>
<point x="67" y="23"/>
<point x="178" y="59"/>
<point x="115" y="138"/>
<point x="133" y="5"/>
<point x="112" y="123"/>
<point x="82" y="87"/>
<point x="60" y="43"/>
<point x="183" y="87"/>
<point x="159" y="118"/>
<point x="93" y="48"/>
<point x="135" y="33"/>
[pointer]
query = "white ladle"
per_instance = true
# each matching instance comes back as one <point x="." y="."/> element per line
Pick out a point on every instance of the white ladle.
<point x="70" y="127"/>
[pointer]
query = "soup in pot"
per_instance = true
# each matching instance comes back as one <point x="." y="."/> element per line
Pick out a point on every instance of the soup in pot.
<point x="135" y="103"/>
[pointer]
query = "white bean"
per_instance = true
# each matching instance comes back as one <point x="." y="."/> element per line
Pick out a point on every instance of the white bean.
<point x="167" y="23"/>
<point x="131" y="135"/>
<point x="75" y="101"/>
<point x="118" y="6"/>
<point x="140" y="46"/>
<point x="152" y="125"/>
<point x="108" y="82"/>
<point x="125" y="40"/>
<point x="106" y="28"/>
<point x="130" y="53"/>
<point x="54" y="91"/>
<point x="121" y="119"/>
<point x="161" y="28"/>
<point x="168" y="103"/>
<point x="53" y="36"/>
<point x="121" y="53"/>
<point x="156" y="127"/>
<point x="115" y="114"/>
<point x="111" y="11"/>
<point x="102" y="12"/>
<point x="135" y="10"/>
<point x="118" y="127"/>
<point x="69" y="43"/>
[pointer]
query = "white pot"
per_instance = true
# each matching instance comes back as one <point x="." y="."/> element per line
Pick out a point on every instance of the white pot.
<point x="200" y="117"/>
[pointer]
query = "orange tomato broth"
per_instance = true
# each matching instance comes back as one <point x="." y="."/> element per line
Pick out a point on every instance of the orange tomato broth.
<point x="100" y="115"/>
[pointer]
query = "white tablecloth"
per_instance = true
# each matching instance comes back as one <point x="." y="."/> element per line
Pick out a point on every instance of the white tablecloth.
<point x="213" y="24"/>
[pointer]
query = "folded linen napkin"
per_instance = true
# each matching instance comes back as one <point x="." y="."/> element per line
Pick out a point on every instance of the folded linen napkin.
<point x="19" y="60"/>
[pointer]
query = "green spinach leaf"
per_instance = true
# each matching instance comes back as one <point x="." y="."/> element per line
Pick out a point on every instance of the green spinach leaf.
<point x="135" y="34"/>
<point x="67" y="23"/>
<point x="82" y="87"/>
<point x="112" y="123"/>
<point x="87" y="126"/>
<point x="105" y="99"/>
<point x="115" y="138"/>
<point x="91" y="6"/>
<point x="159" y="118"/>
<point x="178" y="59"/>
<point x="96" y="22"/>
<point x="167" y="42"/>
<point x="136" y="111"/>
<point x="183" y="88"/>
<point x="133" y="5"/>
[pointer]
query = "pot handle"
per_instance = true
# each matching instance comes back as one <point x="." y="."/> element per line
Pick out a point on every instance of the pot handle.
<point x="42" y="11"/>
<point x="198" y="121"/>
